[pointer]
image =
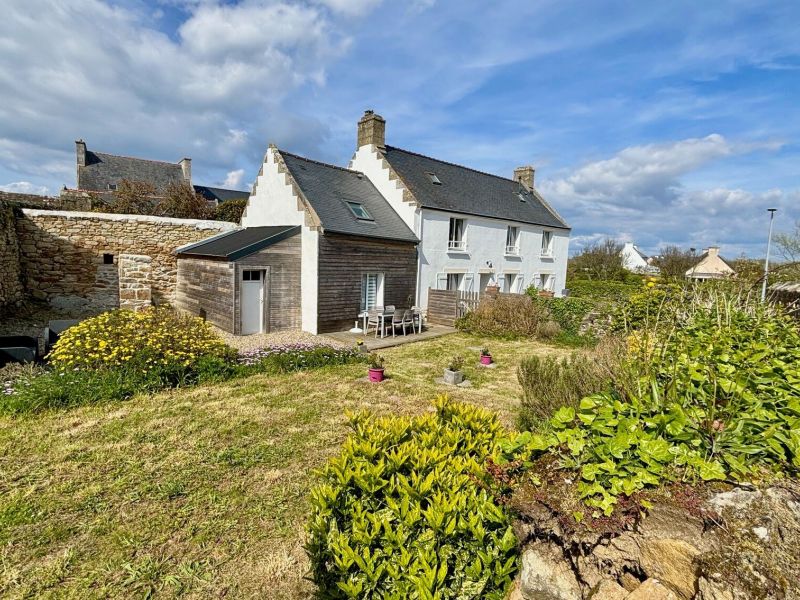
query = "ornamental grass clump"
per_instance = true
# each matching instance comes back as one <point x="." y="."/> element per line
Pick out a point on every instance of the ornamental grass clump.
<point x="147" y="340"/>
<point x="406" y="511"/>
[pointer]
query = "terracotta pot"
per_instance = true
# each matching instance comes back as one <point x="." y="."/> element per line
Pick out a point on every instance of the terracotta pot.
<point x="375" y="375"/>
<point x="546" y="294"/>
<point x="486" y="359"/>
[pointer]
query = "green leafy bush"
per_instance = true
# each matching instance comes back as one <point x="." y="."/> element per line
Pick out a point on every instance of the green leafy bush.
<point x="401" y="513"/>
<point x="649" y="307"/>
<point x="718" y="397"/>
<point x="601" y="290"/>
<point x="506" y="315"/>
<point x="549" y="382"/>
<point x="230" y="210"/>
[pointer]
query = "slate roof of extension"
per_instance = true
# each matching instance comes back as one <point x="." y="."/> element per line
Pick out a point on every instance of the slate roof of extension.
<point x="236" y="244"/>
<point x="328" y="188"/>
<point x="471" y="192"/>
<point x="220" y="194"/>
<point x="102" y="169"/>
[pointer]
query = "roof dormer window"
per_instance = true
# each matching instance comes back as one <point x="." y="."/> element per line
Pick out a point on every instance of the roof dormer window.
<point x="434" y="179"/>
<point x="359" y="212"/>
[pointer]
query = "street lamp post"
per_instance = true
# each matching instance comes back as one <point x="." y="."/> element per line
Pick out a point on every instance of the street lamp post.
<point x="771" y="212"/>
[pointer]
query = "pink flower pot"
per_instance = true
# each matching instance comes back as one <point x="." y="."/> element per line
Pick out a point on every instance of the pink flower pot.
<point x="376" y="375"/>
<point x="486" y="359"/>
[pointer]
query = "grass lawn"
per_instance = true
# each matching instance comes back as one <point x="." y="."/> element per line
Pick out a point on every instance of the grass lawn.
<point x="202" y="492"/>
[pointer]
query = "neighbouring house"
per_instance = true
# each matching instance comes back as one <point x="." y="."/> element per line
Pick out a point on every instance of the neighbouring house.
<point x="244" y="281"/>
<point x="355" y="250"/>
<point x="101" y="174"/>
<point x="635" y="260"/>
<point x="710" y="265"/>
<point x="475" y="229"/>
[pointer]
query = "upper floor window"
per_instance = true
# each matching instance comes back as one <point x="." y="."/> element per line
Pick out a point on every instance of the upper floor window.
<point x="359" y="211"/>
<point x="512" y="241"/>
<point x="457" y="240"/>
<point x="547" y="243"/>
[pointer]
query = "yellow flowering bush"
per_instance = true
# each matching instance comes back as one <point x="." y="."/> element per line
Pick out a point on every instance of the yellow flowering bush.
<point x="152" y="338"/>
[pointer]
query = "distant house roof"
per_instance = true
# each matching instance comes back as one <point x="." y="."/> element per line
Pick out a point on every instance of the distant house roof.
<point x="102" y="170"/>
<point x="441" y="185"/>
<point x="335" y="194"/>
<point x="215" y="194"/>
<point x="710" y="265"/>
<point x="239" y="243"/>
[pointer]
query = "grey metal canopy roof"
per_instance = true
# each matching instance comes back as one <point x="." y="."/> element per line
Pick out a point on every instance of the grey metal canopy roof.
<point x="239" y="243"/>
<point x="463" y="190"/>
<point x="329" y="189"/>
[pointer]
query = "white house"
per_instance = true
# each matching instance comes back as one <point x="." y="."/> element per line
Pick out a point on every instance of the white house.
<point x="474" y="228"/>
<point x="635" y="260"/>
<point x="710" y="265"/>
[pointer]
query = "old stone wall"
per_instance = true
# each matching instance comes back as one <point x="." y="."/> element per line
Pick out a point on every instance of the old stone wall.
<point x="135" y="279"/>
<point x="11" y="290"/>
<point x="72" y="258"/>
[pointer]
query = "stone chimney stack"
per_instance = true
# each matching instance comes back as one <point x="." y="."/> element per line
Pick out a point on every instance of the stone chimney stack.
<point x="713" y="251"/>
<point x="372" y="130"/>
<point x="524" y="175"/>
<point x="80" y="150"/>
<point x="186" y="167"/>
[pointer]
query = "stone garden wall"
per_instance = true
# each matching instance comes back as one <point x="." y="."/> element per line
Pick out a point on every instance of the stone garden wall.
<point x="73" y="258"/>
<point x="11" y="290"/>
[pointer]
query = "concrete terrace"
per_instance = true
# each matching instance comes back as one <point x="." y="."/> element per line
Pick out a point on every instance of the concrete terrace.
<point x="373" y="343"/>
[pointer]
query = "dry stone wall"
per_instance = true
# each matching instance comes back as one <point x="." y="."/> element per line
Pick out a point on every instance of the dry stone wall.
<point x="73" y="258"/>
<point x="11" y="291"/>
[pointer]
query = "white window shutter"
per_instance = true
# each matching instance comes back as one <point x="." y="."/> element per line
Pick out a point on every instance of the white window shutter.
<point x="441" y="281"/>
<point x="468" y="280"/>
<point x="520" y="280"/>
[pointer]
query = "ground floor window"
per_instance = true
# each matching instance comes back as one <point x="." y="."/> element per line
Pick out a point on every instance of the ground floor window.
<point x="371" y="290"/>
<point x="454" y="281"/>
<point x="547" y="282"/>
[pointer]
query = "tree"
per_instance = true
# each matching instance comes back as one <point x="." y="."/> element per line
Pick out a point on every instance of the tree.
<point x="673" y="262"/>
<point x="598" y="261"/>
<point x="132" y="198"/>
<point x="182" y="202"/>
<point x="230" y="210"/>
<point x="789" y="246"/>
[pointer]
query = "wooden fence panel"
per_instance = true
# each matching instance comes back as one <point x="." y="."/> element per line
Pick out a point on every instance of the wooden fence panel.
<point x="442" y="305"/>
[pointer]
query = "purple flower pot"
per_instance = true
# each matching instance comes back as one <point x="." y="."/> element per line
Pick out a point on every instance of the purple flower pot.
<point x="376" y="375"/>
<point x="486" y="359"/>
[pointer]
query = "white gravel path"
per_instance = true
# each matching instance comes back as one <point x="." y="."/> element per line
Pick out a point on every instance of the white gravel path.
<point x="261" y="340"/>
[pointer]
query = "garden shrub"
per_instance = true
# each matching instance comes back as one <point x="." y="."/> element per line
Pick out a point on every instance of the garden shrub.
<point x="650" y="307"/>
<point x="718" y="398"/>
<point x="295" y="357"/>
<point x="550" y="382"/>
<point x="149" y="339"/>
<point x="601" y="290"/>
<point x="513" y="315"/>
<point x="402" y="511"/>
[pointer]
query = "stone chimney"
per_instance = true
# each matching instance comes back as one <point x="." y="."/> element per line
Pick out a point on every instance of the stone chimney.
<point x="186" y="167"/>
<point x="372" y="130"/>
<point x="80" y="151"/>
<point x="713" y="250"/>
<point x="524" y="175"/>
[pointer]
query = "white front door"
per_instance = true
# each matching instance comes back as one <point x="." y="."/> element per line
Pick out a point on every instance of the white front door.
<point x="252" y="299"/>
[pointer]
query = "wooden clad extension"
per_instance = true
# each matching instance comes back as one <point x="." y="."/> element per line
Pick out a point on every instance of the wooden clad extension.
<point x="342" y="262"/>
<point x="205" y="288"/>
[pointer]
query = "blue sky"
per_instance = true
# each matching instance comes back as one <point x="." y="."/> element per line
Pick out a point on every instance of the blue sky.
<point x="661" y="123"/>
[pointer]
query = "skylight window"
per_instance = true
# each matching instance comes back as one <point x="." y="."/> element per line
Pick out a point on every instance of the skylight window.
<point x="521" y="197"/>
<point x="359" y="211"/>
<point x="434" y="179"/>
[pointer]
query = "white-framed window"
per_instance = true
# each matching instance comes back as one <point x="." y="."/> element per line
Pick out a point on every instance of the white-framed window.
<point x="371" y="290"/>
<point x="454" y="281"/>
<point x="457" y="240"/>
<point x="512" y="240"/>
<point x="547" y="282"/>
<point x="547" y="243"/>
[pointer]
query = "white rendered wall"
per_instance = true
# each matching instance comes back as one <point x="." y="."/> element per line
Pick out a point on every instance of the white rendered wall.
<point x="367" y="161"/>
<point x="274" y="203"/>
<point x="486" y="243"/>
<point x="632" y="260"/>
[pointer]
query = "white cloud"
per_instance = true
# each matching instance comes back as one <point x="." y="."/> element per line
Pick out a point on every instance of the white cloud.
<point x="351" y="7"/>
<point x="24" y="187"/>
<point x="233" y="179"/>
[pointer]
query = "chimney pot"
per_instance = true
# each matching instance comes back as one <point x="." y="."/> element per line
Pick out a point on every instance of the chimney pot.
<point x="524" y="176"/>
<point x="372" y="130"/>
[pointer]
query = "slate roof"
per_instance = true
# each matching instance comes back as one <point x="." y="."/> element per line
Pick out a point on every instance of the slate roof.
<point x="233" y="245"/>
<point x="328" y="188"/>
<point x="215" y="194"/>
<point x="471" y="192"/>
<point x="103" y="169"/>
